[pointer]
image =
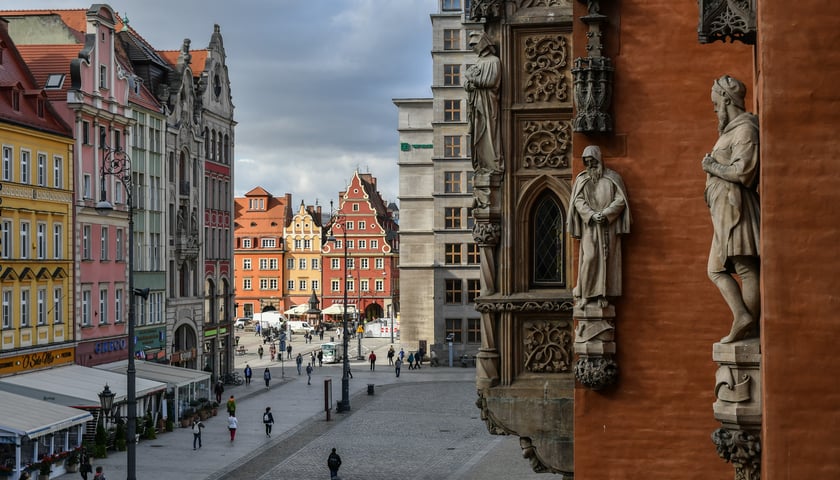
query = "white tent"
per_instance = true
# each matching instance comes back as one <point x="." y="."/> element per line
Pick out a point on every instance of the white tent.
<point x="297" y="310"/>
<point x="338" y="309"/>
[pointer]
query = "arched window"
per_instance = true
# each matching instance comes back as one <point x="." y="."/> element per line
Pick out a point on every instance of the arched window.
<point x="548" y="242"/>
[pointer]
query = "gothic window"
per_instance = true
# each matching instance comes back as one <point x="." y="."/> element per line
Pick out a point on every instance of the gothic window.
<point x="548" y="233"/>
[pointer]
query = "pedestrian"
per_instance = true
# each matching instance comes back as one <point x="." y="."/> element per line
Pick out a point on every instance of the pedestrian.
<point x="257" y="330"/>
<point x="338" y="334"/>
<point x="309" y="374"/>
<point x="100" y="473"/>
<point x="411" y="361"/>
<point x="289" y="352"/>
<point x="312" y="357"/>
<point x="231" y="406"/>
<point x="333" y="462"/>
<point x="248" y="374"/>
<point x="299" y="362"/>
<point x="260" y="352"/>
<point x="233" y="424"/>
<point x="273" y="350"/>
<point x="421" y="352"/>
<point x="266" y="377"/>
<point x="218" y="390"/>
<point x="372" y="358"/>
<point x="321" y="333"/>
<point x="402" y="354"/>
<point x="84" y="464"/>
<point x="349" y="373"/>
<point x="320" y="358"/>
<point x="397" y="366"/>
<point x="196" y="429"/>
<point x="391" y="355"/>
<point x="268" y="421"/>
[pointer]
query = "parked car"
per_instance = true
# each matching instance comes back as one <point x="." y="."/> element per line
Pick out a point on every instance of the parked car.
<point x="242" y="322"/>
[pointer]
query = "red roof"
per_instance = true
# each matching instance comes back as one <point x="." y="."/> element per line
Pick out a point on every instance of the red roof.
<point x="197" y="63"/>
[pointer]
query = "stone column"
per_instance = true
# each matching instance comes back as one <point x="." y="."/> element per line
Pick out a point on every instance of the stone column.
<point x="595" y="346"/>
<point x="738" y="406"/>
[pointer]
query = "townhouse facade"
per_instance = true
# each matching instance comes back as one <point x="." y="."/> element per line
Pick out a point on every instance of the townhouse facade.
<point x="302" y="239"/>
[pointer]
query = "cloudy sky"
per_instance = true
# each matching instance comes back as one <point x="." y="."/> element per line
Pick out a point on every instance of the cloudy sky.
<point x="312" y="81"/>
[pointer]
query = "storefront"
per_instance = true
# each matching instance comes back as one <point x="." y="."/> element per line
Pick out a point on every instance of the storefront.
<point x="31" y="430"/>
<point x="183" y="385"/>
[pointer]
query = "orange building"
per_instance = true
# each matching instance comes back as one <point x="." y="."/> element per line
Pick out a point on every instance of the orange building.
<point x="302" y="239"/>
<point x="259" y="250"/>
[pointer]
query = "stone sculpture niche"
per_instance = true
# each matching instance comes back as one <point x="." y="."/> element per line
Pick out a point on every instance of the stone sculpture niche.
<point x="593" y="78"/>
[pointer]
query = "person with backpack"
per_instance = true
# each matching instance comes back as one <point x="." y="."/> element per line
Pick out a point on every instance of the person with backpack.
<point x="266" y="377"/>
<point x="268" y="421"/>
<point x="196" y="429"/>
<point x="248" y="374"/>
<point x="411" y="361"/>
<point x="391" y="355"/>
<point x="333" y="462"/>
<point x="309" y="374"/>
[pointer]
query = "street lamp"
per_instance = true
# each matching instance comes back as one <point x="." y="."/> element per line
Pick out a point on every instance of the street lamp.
<point x="106" y="400"/>
<point x="344" y="404"/>
<point x="117" y="163"/>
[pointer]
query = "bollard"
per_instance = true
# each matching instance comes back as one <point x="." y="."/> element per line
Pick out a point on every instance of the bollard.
<point x="370" y="389"/>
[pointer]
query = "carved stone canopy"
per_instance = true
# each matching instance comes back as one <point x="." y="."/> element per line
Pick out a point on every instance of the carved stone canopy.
<point x="727" y="19"/>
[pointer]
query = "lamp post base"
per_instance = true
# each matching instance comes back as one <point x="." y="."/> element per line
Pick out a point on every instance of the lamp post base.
<point x="342" y="407"/>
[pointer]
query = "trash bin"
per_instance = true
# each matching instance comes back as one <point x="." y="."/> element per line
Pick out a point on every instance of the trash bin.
<point x="370" y="389"/>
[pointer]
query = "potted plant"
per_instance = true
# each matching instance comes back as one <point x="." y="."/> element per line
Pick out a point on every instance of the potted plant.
<point x="186" y="417"/>
<point x="100" y="446"/>
<point x="73" y="460"/>
<point x="45" y="467"/>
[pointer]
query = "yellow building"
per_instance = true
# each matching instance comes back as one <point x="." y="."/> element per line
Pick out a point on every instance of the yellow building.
<point x="302" y="237"/>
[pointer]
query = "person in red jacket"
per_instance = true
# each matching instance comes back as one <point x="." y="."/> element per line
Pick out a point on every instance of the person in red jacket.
<point x="372" y="358"/>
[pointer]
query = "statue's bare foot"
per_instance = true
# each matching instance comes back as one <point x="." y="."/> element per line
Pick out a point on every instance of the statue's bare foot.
<point x="602" y="302"/>
<point x="742" y="327"/>
<point x="581" y="303"/>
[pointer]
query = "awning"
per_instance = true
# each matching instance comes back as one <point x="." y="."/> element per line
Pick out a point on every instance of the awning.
<point x="174" y="376"/>
<point x="25" y="417"/>
<point x="338" y="309"/>
<point x="297" y="310"/>
<point x="75" y="385"/>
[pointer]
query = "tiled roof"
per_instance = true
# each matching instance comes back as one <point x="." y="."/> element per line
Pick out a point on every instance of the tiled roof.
<point x="258" y="191"/>
<point x="197" y="62"/>
<point x="44" y="60"/>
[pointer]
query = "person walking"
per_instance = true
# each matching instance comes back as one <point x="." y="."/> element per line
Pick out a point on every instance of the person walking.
<point x="260" y="351"/>
<point x="402" y="354"/>
<point x="372" y="358"/>
<point x="289" y="351"/>
<point x="391" y="353"/>
<point x="257" y="330"/>
<point x="312" y="357"/>
<point x="273" y="351"/>
<point x="397" y="366"/>
<point x="84" y="464"/>
<point x="421" y="352"/>
<point x="320" y="358"/>
<point x="219" y="389"/>
<point x="100" y="473"/>
<point x="299" y="362"/>
<point x="231" y="406"/>
<point x="268" y="421"/>
<point x="196" y="429"/>
<point x="266" y="377"/>
<point x="248" y="374"/>
<point x="333" y="462"/>
<point x="411" y="361"/>
<point x="309" y="374"/>
<point x="233" y="424"/>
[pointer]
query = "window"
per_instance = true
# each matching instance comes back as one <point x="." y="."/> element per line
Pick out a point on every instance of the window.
<point x="290" y="284"/>
<point x="349" y="244"/>
<point x="103" y="76"/>
<point x="365" y="285"/>
<point x="451" y="182"/>
<point x="451" y="39"/>
<point x="118" y="305"/>
<point x="269" y="243"/>
<point x="246" y="243"/>
<point x="7" y="308"/>
<point x="351" y="285"/>
<point x="364" y="263"/>
<point x="362" y="244"/>
<point x="473" y="289"/>
<point x="379" y="285"/>
<point x="335" y="263"/>
<point x="379" y="263"/>
<point x="25" y="172"/>
<point x="302" y="264"/>
<point x="246" y="284"/>
<point x="298" y="244"/>
<point x="16" y="100"/>
<point x="452" y="253"/>
<point x="453" y="328"/>
<point x="273" y="283"/>
<point x="547" y="235"/>
<point x="6" y="239"/>
<point x="303" y="285"/>
<point x="374" y="244"/>
<point x="58" y="240"/>
<point x="451" y="110"/>
<point x="246" y="264"/>
<point x="451" y="146"/>
<point x="451" y="75"/>
<point x="273" y="263"/>
<point x="452" y="217"/>
<point x="42" y="306"/>
<point x="8" y="152"/>
<point x="334" y="285"/>
<point x="316" y="264"/>
<point x="290" y="264"/>
<point x="86" y="242"/>
<point x="85" y="132"/>
<point x="355" y="207"/>
<point x="24" y="239"/>
<point x="474" y="330"/>
<point x="315" y="285"/>
<point x="42" y="170"/>
<point x="86" y="186"/>
<point x="263" y="284"/>
<point x="103" y="306"/>
<point x="41" y="241"/>
<point x="449" y="5"/>
<point x="119" y="247"/>
<point x="351" y="263"/>
<point x="103" y="243"/>
<point x="85" y="308"/>
<point x="307" y="244"/>
<point x="473" y="254"/>
<point x="453" y="291"/>
<point x="58" y="172"/>
<point x="362" y="225"/>
<point x="54" y="81"/>
<point x="58" y="312"/>
<point x="263" y="264"/>
<point x="470" y="218"/>
<point x="350" y="225"/>
<point x="24" y="307"/>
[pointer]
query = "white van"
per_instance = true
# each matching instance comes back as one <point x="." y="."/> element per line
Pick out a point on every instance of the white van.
<point x="270" y="319"/>
<point x="296" y="326"/>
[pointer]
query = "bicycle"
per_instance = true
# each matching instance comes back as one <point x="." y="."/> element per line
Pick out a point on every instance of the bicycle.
<point x="233" y="378"/>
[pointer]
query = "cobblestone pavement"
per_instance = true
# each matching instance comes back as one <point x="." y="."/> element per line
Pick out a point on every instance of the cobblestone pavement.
<point x="423" y="425"/>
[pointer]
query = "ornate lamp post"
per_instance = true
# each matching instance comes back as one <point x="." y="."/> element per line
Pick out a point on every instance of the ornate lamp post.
<point x="344" y="404"/>
<point x="116" y="163"/>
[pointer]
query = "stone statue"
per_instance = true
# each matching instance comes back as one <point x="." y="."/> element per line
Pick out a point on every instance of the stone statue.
<point x="482" y="81"/>
<point x="598" y="216"/>
<point x="732" y="196"/>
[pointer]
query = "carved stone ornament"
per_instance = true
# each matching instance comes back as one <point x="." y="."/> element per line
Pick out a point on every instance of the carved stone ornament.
<point x="742" y="449"/>
<point x="486" y="233"/>
<point x="486" y="9"/>
<point x="596" y="372"/>
<point x="728" y="389"/>
<point x="593" y="79"/>
<point x="546" y="61"/>
<point x="548" y="347"/>
<point x="524" y="306"/>
<point x="547" y="144"/>
<point x="727" y="19"/>
<point x="530" y="452"/>
<point x="493" y="425"/>
<point x="539" y="3"/>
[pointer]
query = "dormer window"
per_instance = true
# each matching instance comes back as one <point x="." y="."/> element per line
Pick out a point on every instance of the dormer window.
<point x="16" y="100"/>
<point x="54" y="81"/>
